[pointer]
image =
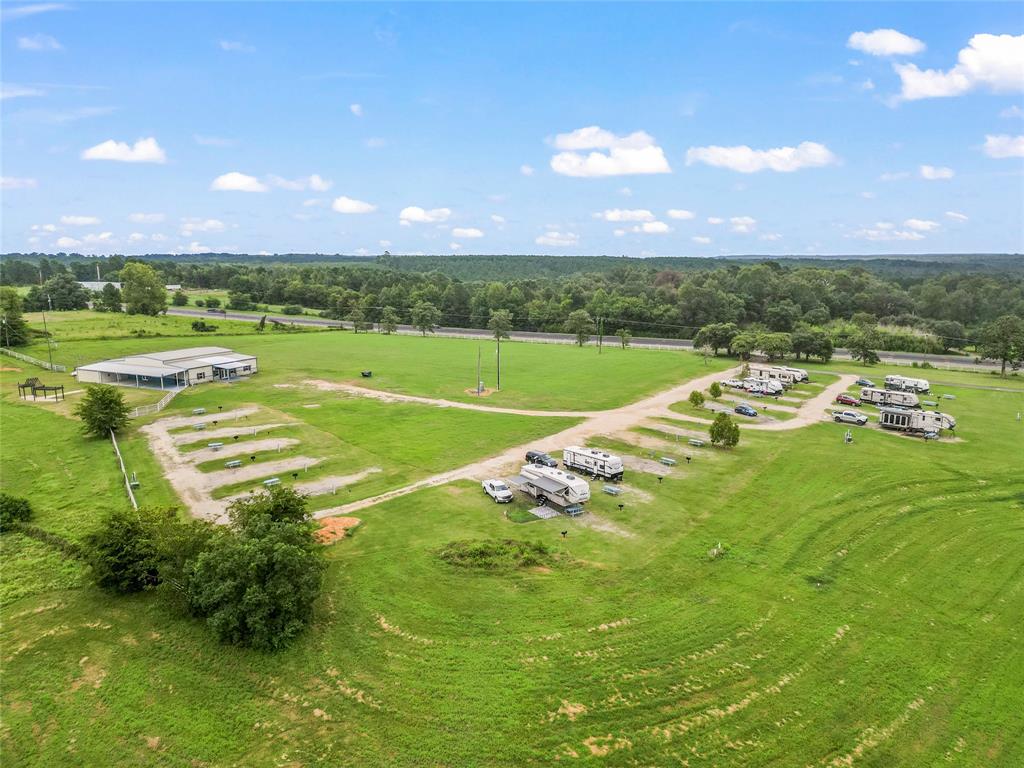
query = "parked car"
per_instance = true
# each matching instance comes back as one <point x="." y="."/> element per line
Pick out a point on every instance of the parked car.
<point x="849" y="417"/>
<point x="541" y="458"/>
<point x="745" y="410"/>
<point x="733" y="383"/>
<point x="845" y="399"/>
<point x="498" y="491"/>
<point x="862" y="382"/>
<point x="932" y="435"/>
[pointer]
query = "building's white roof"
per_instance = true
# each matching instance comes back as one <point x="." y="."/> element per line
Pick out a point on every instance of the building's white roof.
<point x="131" y="369"/>
<point x="171" y="362"/>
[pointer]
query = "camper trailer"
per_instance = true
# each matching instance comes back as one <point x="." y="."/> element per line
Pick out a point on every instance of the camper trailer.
<point x="889" y="397"/>
<point x="775" y="373"/>
<point x="549" y="485"/>
<point x="589" y="461"/>
<point x="799" y="374"/>
<point x="906" y="384"/>
<point x="758" y="386"/>
<point x="915" y="422"/>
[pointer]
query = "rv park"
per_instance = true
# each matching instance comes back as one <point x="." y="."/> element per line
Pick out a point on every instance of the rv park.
<point x="729" y="605"/>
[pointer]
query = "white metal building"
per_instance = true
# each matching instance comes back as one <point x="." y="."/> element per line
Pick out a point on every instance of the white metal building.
<point x="170" y="370"/>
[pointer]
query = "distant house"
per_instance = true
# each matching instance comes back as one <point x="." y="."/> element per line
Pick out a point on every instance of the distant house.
<point x="169" y="370"/>
<point x="97" y="285"/>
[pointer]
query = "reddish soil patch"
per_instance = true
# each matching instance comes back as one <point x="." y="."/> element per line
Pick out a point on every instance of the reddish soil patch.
<point x="11" y="369"/>
<point x="334" y="528"/>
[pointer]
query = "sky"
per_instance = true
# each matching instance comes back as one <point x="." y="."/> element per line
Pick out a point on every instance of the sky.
<point x="625" y="129"/>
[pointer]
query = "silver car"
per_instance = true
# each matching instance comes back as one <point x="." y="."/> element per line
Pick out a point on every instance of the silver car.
<point x="849" y="417"/>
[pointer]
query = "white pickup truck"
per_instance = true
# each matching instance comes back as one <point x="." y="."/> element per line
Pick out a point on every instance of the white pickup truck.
<point x="498" y="491"/>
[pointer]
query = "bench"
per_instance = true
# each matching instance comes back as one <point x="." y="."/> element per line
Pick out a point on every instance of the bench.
<point x="612" y="490"/>
<point x="200" y="425"/>
<point x="233" y="464"/>
<point x="215" y="446"/>
<point x="272" y="481"/>
<point x="949" y="397"/>
<point x="667" y="461"/>
<point x="198" y="411"/>
<point x="695" y="442"/>
<point x="366" y="374"/>
<point x="928" y="402"/>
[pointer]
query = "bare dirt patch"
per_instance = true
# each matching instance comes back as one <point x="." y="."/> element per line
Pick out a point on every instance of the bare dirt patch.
<point x="598" y="523"/>
<point x="247" y="448"/>
<point x="329" y="484"/>
<point x="187" y="438"/>
<point x="334" y="528"/>
<point x="650" y="466"/>
<point x="635" y="494"/>
<point x="5" y="368"/>
<point x="568" y="710"/>
<point x="600" y="746"/>
<point x="485" y="392"/>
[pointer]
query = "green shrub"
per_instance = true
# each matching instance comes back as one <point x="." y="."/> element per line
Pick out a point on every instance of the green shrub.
<point x="495" y="554"/>
<point x="13" y="510"/>
<point x="123" y="553"/>
<point x="291" y="309"/>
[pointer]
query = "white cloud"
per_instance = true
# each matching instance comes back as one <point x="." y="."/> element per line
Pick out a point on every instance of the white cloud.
<point x="936" y="173"/>
<point x="44" y="227"/>
<point x="313" y="202"/>
<point x="700" y="239"/>
<point x="897" y="176"/>
<point x="146" y="218"/>
<point x="31" y="9"/>
<point x="619" y="232"/>
<point x="454" y="246"/>
<point x="867" y="85"/>
<point x="743" y="224"/>
<point x="611" y="155"/>
<point x="558" y="239"/>
<point x="195" y="247"/>
<point x="885" y="42"/>
<point x="237" y="182"/>
<point x="956" y="216"/>
<point x="12" y="91"/>
<point x="413" y="214"/>
<point x="39" y="43"/>
<point x="886" y="233"/>
<point x="79" y="221"/>
<point x="992" y="61"/>
<point x="68" y="242"/>
<point x="356" y="109"/>
<point x="467" y="232"/>
<point x="101" y="237"/>
<point x="362" y="252"/>
<point x="653" y="228"/>
<point x="385" y="243"/>
<point x="680" y="213"/>
<point x="136" y="237"/>
<point x="235" y="46"/>
<point x="921" y="225"/>
<point x="868" y="195"/>
<point x="626" y="192"/>
<point x="352" y="206"/>
<point x="807" y="154"/>
<point x="499" y="220"/>
<point x="527" y="170"/>
<point x="17" y="182"/>
<point x="316" y="183"/>
<point x="212" y="141"/>
<point x="375" y="142"/>
<point x="770" y="237"/>
<point x="1003" y="146"/>
<point x="715" y="220"/>
<point x="142" y="151"/>
<point x="199" y="224"/>
<point x="1012" y="111"/>
<point x="620" y="214"/>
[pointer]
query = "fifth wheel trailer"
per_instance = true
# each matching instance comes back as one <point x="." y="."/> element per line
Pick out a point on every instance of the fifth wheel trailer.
<point x="588" y="461"/>
<point x="916" y="422"/>
<point x="774" y="372"/>
<point x="889" y="397"/>
<point x="907" y="384"/>
<point x="551" y="485"/>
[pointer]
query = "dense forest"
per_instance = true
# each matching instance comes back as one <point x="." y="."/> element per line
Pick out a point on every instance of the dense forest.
<point x="933" y="310"/>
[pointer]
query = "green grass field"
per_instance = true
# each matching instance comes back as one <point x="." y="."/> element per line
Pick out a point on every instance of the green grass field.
<point x="795" y="601"/>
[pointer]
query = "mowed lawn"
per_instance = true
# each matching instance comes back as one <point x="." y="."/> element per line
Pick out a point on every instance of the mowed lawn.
<point x="536" y="376"/>
<point x="796" y="601"/>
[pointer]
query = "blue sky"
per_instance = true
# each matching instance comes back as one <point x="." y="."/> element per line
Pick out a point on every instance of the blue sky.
<point x="663" y="129"/>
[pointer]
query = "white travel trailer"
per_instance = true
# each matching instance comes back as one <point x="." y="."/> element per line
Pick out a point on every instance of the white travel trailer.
<point x="799" y="374"/>
<point x="907" y="384"/>
<point x="917" y="422"/>
<point x="766" y="386"/>
<point x="589" y="461"/>
<point x="775" y="373"/>
<point x="889" y="397"/>
<point x="551" y="485"/>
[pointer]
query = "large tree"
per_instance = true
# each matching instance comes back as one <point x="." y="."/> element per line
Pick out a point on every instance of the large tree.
<point x="143" y="290"/>
<point x="1003" y="340"/>
<point x="108" y="299"/>
<point x="102" y="410"/>
<point x="13" y="328"/>
<point x="500" y="325"/>
<point x="862" y="345"/>
<point x="724" y="431"/>
<point x="61" y="292"/>
<point x="581" y="325"/>
<point x="425" y="316"/>
<point x="716" y="336"/>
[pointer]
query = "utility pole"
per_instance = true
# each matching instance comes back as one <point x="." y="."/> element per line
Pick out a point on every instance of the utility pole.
<point x="600" y="334"/>
<point x="49" y="349"/>
<point x="478" y="370"/>
<point x="498" y="385"/>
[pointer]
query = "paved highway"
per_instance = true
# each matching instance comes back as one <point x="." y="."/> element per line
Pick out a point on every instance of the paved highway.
<point x="904" y="358"/>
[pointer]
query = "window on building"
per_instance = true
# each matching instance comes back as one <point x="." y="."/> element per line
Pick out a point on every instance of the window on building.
<point x="200" y="376"/>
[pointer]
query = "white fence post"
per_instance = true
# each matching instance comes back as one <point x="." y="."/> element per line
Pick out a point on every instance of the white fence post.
<point x="124" y="472"/>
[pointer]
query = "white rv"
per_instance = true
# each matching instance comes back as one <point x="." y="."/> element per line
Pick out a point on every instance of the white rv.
<point x="889" y="397"/>
<point x="906" y="384"/>
<point x="799" y="374"/>
<point x="589" y="461"/>
<point x="551" y="485"/>
<point x="757" y="385"/>
<point x="917" y="422"/>
<point x="774" y="372"/>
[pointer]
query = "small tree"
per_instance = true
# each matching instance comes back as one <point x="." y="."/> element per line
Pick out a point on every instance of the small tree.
<point x="179" y="299"/>
<point x="862" y="346"/>
<point x="696" y="399"/>
<point x="13" y="328"/>
<point x="143" y="290"/>
<point x="744" y="343"/>
<point x="775" y="346"/>
<point x="123" y="553"/>
<point x="581" y="325"/>
<point x="212" y="302"/>
<point x="425" y="316"/>
<point x="109" y="299"/>
<point x="724" y="431"/>
<point x="236" y="300"/>
<point x="625" y="336"/>
<point x="358" y="319"/>
<point x="500" y="325"/>
<point x="13" y="510"/>
<point x="388" y="321"/>
<point x="102" y="410"/>
<point x="715" y="390"/>
<point x="1003" y="340"/>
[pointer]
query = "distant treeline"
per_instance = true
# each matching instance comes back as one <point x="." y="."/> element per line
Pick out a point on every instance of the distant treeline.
<point x="924" y="312"/>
